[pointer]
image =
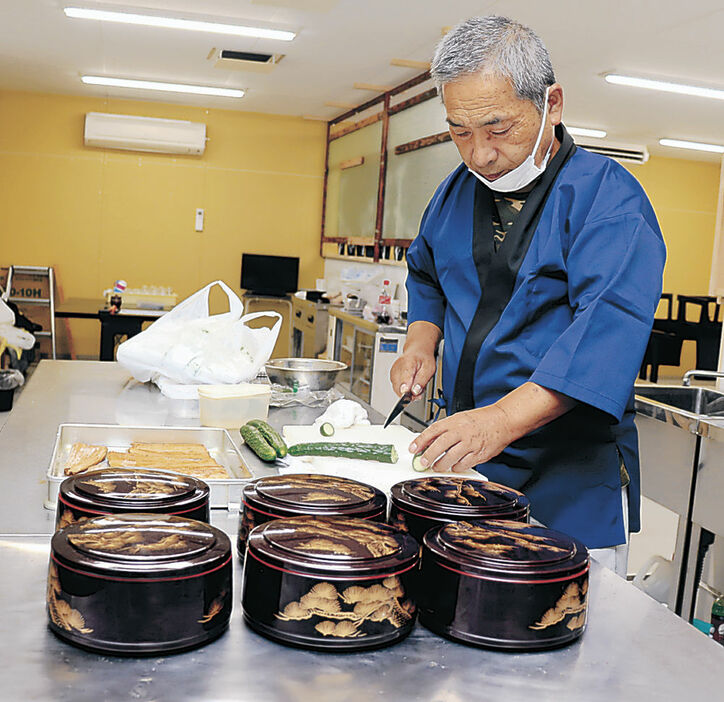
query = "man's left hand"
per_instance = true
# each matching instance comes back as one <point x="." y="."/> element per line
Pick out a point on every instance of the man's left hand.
<point x="466" y="439"/>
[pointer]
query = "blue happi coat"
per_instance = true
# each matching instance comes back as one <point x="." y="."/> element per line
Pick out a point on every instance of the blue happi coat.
<point x="568" y="303"/>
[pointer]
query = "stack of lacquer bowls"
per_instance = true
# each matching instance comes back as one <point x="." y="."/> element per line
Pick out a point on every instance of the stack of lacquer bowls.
<point x="119" y="491"/>
<point x="293" y="495"/>
<point x="330" y="583"/>
<point x="422" y="503"/>
<point x="139" y="583"/>
<point x="503" y="584"/>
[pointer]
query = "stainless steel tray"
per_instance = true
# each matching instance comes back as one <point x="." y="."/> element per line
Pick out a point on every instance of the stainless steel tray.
<point x="224" y="493"/>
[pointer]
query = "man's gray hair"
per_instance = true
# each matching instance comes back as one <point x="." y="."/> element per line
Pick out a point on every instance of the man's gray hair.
<point x="499" y="46"/>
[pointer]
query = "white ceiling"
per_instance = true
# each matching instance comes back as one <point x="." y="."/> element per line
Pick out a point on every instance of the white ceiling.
<point x="345" y="41"/>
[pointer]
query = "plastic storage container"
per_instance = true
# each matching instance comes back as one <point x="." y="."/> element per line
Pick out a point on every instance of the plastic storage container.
<point x="232" y="406"/>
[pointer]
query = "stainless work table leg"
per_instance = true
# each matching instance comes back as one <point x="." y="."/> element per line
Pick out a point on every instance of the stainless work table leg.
<point x="678" y="562"/>
<point x="691" y="581"/>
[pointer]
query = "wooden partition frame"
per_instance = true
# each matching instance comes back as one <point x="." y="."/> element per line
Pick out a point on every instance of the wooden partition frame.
<point x="384" y="114"/>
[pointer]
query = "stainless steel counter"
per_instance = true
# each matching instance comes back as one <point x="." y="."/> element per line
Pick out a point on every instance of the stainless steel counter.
<point x="634" y="649"/>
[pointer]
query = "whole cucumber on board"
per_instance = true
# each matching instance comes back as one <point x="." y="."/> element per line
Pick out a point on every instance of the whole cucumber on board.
<point x="385" y="453"/>
<point x="271" y="435"/>
<point x="257" y="443"/>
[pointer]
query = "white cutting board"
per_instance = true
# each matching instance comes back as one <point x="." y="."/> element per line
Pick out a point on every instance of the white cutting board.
<point x="382" y="475"/>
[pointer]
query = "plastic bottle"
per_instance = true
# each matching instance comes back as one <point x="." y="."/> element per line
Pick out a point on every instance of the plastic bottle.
<point x="717" y="620"/>
<point x="384" y="298"/>
<point x="383" y="316"/>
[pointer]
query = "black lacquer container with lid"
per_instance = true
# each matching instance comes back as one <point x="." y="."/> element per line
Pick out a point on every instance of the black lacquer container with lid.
<point x="119" y="491"/>
<point x="279" y="496"/>
<point x="422" y="503"/>
<point x="330" y="583"/>
<point x="139" y="583"/>
<point x="502" y="584"/>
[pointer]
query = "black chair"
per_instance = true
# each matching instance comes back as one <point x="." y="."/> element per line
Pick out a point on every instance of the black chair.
<point x="705" y="331"/>
<point x="665" y="342"/>
<point x="663" y="349"/>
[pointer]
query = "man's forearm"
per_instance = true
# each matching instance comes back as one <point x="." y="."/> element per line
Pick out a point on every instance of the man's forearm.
<point x="531" y="406"/>
<point x="413" y="370"/>
<point x="424" y="336"/>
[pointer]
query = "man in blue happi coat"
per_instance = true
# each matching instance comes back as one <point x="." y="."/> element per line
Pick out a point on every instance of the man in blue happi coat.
<point x="540" y="264"/>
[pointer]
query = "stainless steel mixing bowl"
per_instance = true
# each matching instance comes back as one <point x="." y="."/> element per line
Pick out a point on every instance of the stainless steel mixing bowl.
<point x="314" y="373"/>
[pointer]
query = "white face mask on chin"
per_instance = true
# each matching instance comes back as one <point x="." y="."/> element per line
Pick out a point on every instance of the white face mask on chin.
<point x="527" y="172"/>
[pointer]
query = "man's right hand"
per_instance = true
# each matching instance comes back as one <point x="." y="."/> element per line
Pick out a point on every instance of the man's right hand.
<point x="415" y="368"/>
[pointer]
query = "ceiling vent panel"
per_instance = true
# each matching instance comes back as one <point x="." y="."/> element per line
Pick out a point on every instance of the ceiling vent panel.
<point x="628" y="153"/>
<point x="245" y="60"/>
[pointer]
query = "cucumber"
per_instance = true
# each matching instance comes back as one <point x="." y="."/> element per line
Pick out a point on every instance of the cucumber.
<point x="257" y="443"/>
<point x="327" y="429"/>
<point x="271" y="435"/>
<point x="385" y="453"/>
<point x="416" y="465"/>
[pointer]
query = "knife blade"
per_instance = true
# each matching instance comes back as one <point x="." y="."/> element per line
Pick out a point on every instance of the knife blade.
<point x="397" y="409"/>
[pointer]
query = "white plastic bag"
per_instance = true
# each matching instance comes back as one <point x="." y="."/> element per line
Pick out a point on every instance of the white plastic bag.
<point x="7" y="316"/>
<point x="188" y="347"/>
<point x="15" y="336"/>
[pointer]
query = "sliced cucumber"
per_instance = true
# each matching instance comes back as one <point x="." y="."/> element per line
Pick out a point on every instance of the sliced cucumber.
<point x="385" y="453"/>
<point x="271" y="435"/>
<point x="417" y="463"/>
<point x="257" y="443"/>
<point x="327" y="429"/>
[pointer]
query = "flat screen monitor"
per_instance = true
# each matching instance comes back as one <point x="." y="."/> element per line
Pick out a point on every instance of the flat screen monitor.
<point x="269" y="275"/>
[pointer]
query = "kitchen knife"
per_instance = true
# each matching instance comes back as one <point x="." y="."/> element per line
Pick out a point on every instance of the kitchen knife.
<point x="397" y="409"/>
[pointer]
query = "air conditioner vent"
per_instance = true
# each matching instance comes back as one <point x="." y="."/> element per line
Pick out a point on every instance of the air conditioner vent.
<point x="131" y="133"/>
<point x="245" y="56"/>
<point x="630" y="153"/>
<point x="245" y="60"/>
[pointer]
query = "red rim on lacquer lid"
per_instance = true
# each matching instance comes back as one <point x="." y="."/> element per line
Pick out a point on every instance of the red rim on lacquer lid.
<point x="304" y="493"/>
<point x="333" y="547"/>
<point x="139" y="583"/>
<point x="330" y="583"/>
<point x="453" y="497"/>
<point x="506" y="550"/>
<point x="113" y="491"/>
<point x="503" y="584"/>
<point x="298" y="494"/>
<point x="140" y="547"/>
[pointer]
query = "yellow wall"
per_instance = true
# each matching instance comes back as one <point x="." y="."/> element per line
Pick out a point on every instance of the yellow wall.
<point x="684" y="195"/>
<point x="101" y="215"/>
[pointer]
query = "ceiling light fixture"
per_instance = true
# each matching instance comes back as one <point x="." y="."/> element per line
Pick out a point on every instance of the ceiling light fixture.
<point x="665" y="86"/>
<point x="585" y="132"/>
<point x="165" y="87"/>
<point x="174" y="23"/>
<point x="695" y="145"/>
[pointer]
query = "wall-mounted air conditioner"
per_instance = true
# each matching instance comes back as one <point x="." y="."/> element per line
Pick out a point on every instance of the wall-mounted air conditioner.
<point x="631" y="153"/>
<point x="165" y="136"/>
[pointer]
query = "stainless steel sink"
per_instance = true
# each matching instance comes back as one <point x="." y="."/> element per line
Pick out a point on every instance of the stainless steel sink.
<point x="673" y="423"/>
<point x="703" y="402"/>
